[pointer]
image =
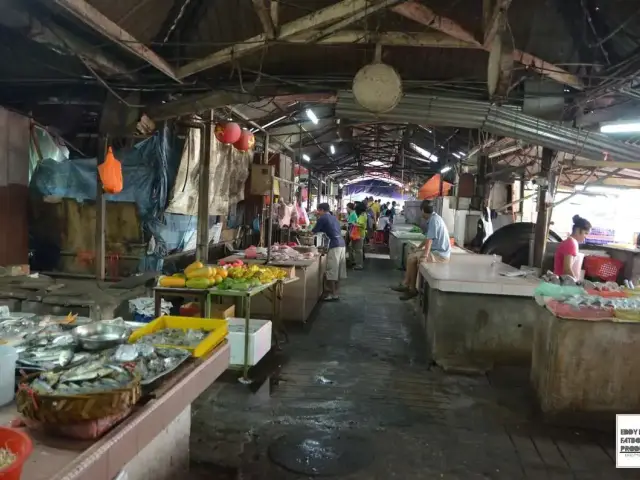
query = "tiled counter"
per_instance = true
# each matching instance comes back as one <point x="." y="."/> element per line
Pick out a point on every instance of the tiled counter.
<point x="585" y="370"/>
<point x="152" y="443"/>
<point x="398" y="245"/>
<point x="474" y="317"/>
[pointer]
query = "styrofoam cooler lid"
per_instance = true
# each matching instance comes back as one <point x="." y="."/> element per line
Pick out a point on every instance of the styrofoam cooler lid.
<point x="236" y="325"/>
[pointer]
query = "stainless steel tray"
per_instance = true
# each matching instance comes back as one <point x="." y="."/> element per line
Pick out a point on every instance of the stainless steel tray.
<point x="149" y="381"/>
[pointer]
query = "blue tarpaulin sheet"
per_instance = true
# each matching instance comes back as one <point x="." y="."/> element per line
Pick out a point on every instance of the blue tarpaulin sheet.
<point x="148" y="169"/>
<point x="375" y="188"/>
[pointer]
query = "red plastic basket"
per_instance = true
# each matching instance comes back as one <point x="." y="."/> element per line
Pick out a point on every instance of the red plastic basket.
<point x="604" y="268"/>
<point x="20" y="444"/>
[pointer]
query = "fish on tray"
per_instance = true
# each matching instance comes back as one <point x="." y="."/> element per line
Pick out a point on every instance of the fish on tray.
<point x="175" y="336"/>
<point x="150" y="362"/>
<point x="92" y="377"/>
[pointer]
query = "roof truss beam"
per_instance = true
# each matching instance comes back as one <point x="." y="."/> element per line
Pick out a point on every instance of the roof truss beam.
<point x="263" y="11"/>
<point x="60" y="40"/>
<point x="391" y="39"/>
<point x="345" y="12"/>
<point x="424" y="15"/>
<point x="495" y="22"/>
<point x="101" y="24"/>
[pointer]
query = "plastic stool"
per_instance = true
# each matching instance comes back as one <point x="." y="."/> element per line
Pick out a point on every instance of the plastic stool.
<point x="378" y="237"/>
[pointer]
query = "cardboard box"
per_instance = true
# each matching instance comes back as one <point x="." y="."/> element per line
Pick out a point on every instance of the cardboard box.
<point x="14" y="270"/>
<point x="222" y="310"/>
<point x="218" y="310"/>
<point x="291" y="271"/>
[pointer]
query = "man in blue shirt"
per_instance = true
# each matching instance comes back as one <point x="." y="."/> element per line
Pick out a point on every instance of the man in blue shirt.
<point x="435" y="249"/>
<point x="336" y="258"/>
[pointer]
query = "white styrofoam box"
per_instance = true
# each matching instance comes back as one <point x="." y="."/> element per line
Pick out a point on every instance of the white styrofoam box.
<point x="259" y="340"/>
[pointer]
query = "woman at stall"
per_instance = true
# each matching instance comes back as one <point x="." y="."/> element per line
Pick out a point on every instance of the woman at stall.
<point x="567" y="251"/>
<point x="352" y="217"/>
<point x="358" y="244"/>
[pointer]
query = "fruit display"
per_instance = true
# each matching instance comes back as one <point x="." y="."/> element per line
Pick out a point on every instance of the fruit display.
<point x="197" y="275"/>
<point x="245" y="277"/>
<point x="226" y="276"/>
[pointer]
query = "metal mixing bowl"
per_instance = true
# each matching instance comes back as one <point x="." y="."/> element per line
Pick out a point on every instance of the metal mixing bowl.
<point x="98" y="336"/>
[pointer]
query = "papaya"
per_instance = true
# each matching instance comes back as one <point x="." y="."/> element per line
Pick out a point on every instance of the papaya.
<point x="172" y="282"/>
<point x="199" y="283"/>
<point x="203" y="272"/>
<point x="193" y="266"/>
<point x="179" y="275"/>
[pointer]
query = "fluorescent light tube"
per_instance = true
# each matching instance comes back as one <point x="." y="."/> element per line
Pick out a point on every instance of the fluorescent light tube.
<point x="312" y="116"/>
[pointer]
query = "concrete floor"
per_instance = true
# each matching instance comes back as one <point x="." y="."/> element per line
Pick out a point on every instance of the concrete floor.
<point x="361" y="368"/>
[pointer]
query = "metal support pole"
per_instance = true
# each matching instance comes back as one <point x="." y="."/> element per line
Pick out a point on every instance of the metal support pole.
<point x="202" y="249"/>
<point x="522" y="182"/>
<point x="263" y="219"/>
<point x="309" y="185"/>
<point x="270" y="219"/>
<point x="101" y="213"/>
<point x="542" y="222"/>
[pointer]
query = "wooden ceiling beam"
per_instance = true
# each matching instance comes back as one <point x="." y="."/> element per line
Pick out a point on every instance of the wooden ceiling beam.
<point x="315" y="20"/>
<point x="60" y="40"/>
<point x="392" y="39"/>
<point x="264" y="14"/>
<point x="101" y="24"/>
<point x="495" y="22"/>
<point x="424" y="15"/>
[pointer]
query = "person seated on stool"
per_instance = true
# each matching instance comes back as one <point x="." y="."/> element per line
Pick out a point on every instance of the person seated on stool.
<point x="435" y="249"/>
<point x="384" y="227"/>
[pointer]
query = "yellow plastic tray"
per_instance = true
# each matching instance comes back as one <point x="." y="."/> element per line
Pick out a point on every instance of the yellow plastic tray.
<point x="218" y="328"/>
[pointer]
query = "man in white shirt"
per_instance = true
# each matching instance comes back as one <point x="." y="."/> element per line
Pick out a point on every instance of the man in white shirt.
<point x="383" y="222"/>
<point x="435" y="249"/>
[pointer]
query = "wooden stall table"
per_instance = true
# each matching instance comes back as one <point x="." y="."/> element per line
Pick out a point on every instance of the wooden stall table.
<point x="302" y="296"/>
<point x="585" y="370"/>
<point x="153" y="442"/>
<point x="245" y="297"/>
<point x="474" y="317"/>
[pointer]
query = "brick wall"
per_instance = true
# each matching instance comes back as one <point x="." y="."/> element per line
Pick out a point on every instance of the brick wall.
<point x="14" y="181"/>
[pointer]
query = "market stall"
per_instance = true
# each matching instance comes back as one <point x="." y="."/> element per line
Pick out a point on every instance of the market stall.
<point x="585" y="347"/>
<point x="153" y="442"/>
<point x="477" y="313"/>
<point x="413" y="245"/>
<point x="399" y="238"/>
<point x="101" y="398"/>
<point x="300" y="297"/>
<point x="237" y="280"/>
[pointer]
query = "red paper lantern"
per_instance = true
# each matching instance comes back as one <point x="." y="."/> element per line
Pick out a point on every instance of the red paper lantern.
<point x="228" y="133"/>
<point x="246" y="141"/>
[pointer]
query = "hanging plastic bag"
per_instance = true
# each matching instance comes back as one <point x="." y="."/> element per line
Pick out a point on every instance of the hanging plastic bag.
<point x="354" y="232"/>
<point x="110" y="172"/>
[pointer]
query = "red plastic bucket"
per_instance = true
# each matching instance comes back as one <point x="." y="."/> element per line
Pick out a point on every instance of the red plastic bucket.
<point x="20" y="444"/>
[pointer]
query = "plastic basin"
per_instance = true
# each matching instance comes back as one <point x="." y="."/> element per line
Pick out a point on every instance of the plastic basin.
<point x="18" y="443"/>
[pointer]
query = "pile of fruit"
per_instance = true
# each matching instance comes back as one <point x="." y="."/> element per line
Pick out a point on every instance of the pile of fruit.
<point x="231" y="276"/>
<point x="245" y="277"/>
<point x="196" y="275"/>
